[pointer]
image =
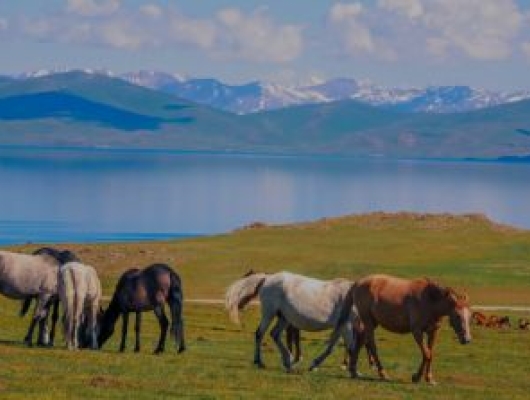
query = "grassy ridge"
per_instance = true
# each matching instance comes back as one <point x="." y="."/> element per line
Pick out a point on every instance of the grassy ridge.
<point x="490" y="261"/>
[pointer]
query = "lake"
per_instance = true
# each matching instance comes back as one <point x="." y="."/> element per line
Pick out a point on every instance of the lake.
<point x="51" y="195"/>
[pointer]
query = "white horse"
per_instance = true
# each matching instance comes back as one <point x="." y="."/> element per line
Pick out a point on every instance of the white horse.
<point x="79" y="290"/>
<point x="23" y="276"/>
<point x="305" y="303"/>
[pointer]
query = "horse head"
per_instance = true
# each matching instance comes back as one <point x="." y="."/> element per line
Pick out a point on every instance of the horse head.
<point x="459" y="315"/>
<point x="105" y="326"/>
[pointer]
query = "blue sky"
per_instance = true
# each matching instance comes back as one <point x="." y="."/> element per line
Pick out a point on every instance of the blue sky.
<point x="483" y="43"/>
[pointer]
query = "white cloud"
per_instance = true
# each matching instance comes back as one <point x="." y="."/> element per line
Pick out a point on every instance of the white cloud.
<point x="151" y="10"/>
<point x="92" y="8"/>
<point x="196" y="32"/>
<point x="476" y="29"/>
<point x="255" y="37"/>
<point x="355" y="35"/>
<point x="345" y="11"/>
<point x="228" y="34"/>
<point x="409" y="8"/>
<point x="482" y="29"/>
<point x="525" y="47"/>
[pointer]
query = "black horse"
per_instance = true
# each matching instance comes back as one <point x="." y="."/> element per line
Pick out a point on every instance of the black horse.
<point x="62" y="257"/>
<point x="146" y="290"/>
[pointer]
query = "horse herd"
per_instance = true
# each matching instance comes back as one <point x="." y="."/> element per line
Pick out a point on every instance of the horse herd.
<point x="351" y="310"/>
<point x="51" y="277"/>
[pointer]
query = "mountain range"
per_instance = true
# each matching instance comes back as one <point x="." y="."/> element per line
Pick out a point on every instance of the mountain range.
<point x="161" y="111"/>
<point x="262" y="96"/>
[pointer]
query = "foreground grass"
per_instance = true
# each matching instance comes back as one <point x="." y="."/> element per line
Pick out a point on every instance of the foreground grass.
<point x="491" y="262"/>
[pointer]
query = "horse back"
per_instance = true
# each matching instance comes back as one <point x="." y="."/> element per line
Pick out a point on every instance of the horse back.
<point x="141" y="290"/>
<point x="27" y="273"/>
<point x="394" y="303"/>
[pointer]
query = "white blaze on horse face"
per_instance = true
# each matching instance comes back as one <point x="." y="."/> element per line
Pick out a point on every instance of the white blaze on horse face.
<point x="459" y="319"/>
<point x="466" y="315"/>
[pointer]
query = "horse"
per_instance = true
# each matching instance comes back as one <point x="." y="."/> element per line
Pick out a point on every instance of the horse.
<point x="145" y="290"/>
<point x="25" y="275"/>
<point x="524" y="324"/>
<point x="79" y="290"/>
<point x="295" y="300"/>
<point x="479" y="318"/>
<point x="62" y="257"/>
<point x="404" y="306"/>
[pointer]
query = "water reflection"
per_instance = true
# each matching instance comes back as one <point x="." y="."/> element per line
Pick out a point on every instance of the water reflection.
<point x="126" y="195"/>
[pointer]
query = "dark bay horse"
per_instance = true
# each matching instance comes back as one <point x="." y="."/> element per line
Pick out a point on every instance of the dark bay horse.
<point x="145" y="290"/>
<point x="61" y="257"/>
<point x="404" y="306"/>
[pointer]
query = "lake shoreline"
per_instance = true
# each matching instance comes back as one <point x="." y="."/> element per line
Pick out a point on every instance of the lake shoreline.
<point x="258" y="154"/>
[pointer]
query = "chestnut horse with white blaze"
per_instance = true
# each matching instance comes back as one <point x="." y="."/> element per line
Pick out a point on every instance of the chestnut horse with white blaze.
<point x="404" y="306"/>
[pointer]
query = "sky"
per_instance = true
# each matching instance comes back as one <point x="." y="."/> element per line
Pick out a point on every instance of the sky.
<point x="393" y="43"/>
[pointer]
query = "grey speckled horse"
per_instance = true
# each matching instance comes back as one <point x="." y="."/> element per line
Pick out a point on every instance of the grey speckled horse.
<point x="23" y="276"/>
<point x="304" y="303"/>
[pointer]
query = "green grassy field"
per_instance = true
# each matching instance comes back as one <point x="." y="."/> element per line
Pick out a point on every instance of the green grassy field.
<point x="490" y="262"/>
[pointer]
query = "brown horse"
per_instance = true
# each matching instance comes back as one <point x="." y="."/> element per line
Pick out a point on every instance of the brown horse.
<point x="404" y="306"/>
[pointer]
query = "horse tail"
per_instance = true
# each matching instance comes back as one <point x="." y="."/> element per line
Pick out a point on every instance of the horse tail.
<point x="69" y="298"/>
<point x="25" y="306"/>
<point x="347" y="305"/>
<point x="175" y="300"/>
<point x="241" y="292"/>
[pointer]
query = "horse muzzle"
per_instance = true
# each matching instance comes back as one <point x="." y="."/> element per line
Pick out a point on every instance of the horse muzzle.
<point x="465" y="340"/>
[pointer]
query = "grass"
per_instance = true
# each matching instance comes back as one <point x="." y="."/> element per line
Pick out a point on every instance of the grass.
<point x="491" y="262"/>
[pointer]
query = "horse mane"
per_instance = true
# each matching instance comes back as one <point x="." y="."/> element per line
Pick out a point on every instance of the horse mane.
<point x="436" y="292"/>
<point x="248" y="273"/>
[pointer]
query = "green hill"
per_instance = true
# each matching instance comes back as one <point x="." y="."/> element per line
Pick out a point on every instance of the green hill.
<point x="80" y="109"/>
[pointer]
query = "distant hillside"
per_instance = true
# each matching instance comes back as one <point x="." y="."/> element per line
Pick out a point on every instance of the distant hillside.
<point x="80" y="109"/>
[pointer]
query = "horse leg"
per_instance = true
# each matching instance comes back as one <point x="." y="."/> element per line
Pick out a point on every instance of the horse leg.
<point x="276" y="334"/>
<point x="371" y="349"/>
<point x="137" y="325"/>
<point x="431" y="339"/>
<point x="55" y="317"/>
<point x="125" y="318"/>
<point x="335" y="335"/>
<point x="164" y="323"/>
<point x="39" y="314"/>
<point x="426" y="354"/>
<point x="293" y="340"/>
<point x="266" y="319"/>
<point x="92" y="321"/>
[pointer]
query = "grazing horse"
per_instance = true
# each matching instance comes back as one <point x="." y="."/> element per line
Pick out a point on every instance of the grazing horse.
<point x="79" y="290"/>
<point x="524" y="324"/>
<point x="62" y="257"/>
<point x="145" y="290"/>
<point x="404" y="306"/>
<point x="25" y="275"/>
<point x="295" y="300"/>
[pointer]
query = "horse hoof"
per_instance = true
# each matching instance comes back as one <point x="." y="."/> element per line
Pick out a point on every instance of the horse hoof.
<point x="383" y="375"/>
<point x="136" y="350"/>
<point x="313" y="368"/>
<point x="158" y="351"/>
<point x="260" y="365"/>
<point x="416" y="378"/>
<point x="181" y="350"/>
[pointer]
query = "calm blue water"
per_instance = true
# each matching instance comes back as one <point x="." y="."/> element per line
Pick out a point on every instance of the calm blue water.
<point x="52" y="195"/>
